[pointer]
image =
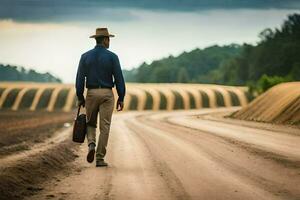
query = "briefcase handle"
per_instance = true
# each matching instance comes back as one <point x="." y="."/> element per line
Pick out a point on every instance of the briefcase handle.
<point x="78" y="111"/>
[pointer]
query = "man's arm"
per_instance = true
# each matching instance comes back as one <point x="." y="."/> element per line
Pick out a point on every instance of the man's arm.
<point x="80" y="80"/>
<point x="119" y="79"/>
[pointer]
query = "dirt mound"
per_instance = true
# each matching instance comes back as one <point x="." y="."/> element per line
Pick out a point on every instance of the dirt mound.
<point x="34" y="147"/>
<point x="22" y="178"/>
<point x="280" y="104"/>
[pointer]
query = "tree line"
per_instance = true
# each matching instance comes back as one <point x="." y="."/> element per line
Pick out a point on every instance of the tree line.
<point x="14" y="73"/>
<point x="275" y="58"/>
<point x="188" y="67"/>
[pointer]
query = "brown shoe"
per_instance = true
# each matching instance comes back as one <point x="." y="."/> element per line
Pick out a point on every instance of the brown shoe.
<point x="91" y="154"/>
<point x="101" y="163"/>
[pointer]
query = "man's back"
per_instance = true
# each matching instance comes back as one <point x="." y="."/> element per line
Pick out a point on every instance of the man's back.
<point x="99" y="63"/>
<point x="100" y="66"/>
<point x="99" y="70"/>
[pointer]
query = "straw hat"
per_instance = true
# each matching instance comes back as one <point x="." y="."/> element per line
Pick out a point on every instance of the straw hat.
<point x="102" y="32"/>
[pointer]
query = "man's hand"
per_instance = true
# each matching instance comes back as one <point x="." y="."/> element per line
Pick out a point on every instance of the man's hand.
<point x="81" y="102"/>
<point x="120" y="105"/>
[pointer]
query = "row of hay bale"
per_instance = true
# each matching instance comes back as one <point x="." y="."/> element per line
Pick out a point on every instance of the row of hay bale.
<point x="52" y="96"/>
<point x="36" y="96"/>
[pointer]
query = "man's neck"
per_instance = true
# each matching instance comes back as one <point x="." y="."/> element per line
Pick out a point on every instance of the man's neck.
<point x="101" y="45"/>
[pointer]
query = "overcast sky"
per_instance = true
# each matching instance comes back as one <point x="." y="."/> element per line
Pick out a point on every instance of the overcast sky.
<point x="51" y="35"/>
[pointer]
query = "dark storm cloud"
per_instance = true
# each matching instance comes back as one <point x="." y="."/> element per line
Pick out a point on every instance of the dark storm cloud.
<point x="82" y="10"/>
<point x="59" y="11"/>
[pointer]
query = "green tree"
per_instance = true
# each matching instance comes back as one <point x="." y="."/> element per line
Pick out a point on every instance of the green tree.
<point x="276" y="55"/>
<point x="182" y="76"/>
<point x="14" y="73"/>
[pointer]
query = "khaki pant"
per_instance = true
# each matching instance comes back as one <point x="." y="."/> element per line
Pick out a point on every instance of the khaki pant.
<point x="100" y="100"/>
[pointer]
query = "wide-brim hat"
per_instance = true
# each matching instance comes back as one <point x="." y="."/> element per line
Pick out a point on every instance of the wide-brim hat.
<point x="102" y="32"/>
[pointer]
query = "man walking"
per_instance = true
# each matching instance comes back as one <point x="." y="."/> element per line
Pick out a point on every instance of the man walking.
<point x="97" y="69"/>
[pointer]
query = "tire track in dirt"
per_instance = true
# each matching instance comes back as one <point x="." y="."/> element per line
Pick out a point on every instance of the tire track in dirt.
<point x="132" y="174"/>
<point x="196" y="171"/>
<point x="169" y="178"/>
<point x="216" y="146"/>
<point x="147" y="175"/>
<point x="250" y="147"/>
<point x="277" y="145"/>
<point x="151" y="156"/>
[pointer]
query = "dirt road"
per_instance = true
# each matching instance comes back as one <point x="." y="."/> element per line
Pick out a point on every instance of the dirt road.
<point x="186" y="155"/>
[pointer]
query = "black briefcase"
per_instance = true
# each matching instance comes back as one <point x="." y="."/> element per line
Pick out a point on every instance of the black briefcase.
<point x="79" y="128"/>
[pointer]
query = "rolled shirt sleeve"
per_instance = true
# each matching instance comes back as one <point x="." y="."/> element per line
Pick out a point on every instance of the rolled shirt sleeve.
<point x="80" y="79"/>
<point x="119" y="79"/>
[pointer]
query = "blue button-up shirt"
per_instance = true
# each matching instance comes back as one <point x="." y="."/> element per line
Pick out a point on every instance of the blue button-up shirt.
<point x="99" y="66"/>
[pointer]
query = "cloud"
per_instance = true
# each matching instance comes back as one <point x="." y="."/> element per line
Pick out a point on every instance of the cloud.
<point x="117" y="10"/>
<point x="61" y="11"/>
